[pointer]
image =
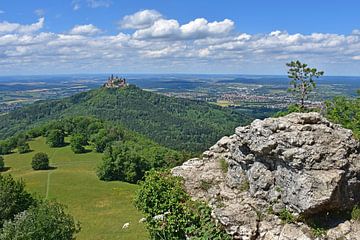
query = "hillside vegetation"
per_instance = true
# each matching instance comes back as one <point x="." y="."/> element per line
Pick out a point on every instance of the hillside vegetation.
<point x="180" y="124"/>
<point x="101" y="207"/>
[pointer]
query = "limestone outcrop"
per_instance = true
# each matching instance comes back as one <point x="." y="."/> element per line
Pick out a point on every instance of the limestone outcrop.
<point x="266" y="175"/>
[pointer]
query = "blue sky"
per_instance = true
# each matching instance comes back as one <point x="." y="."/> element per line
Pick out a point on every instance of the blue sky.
<point x="167" y="36"/>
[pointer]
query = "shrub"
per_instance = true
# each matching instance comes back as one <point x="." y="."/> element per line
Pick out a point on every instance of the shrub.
<point x="2" y="163"/>
<point x="77" y="143"/>
<point x="121" y="163"/>
<point x="24" y="148"/>
<point x="13" y="198"/>
<point x="56" y="138"/>
<point x="46" y="220"/>
<point x="224" y="165"/>
<point x="245" y="185"/>
<point x="5" y="147"/>
<point x="355" y="213"/>
<point x="286" y="216"/>
<point x="205" y="185"/>
<point x="40" y="161"/>
<point x="177" y="216"/>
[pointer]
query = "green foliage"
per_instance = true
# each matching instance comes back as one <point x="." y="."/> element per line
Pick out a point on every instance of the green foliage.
<point x="45" y="220"/>
<point x="205" y="185"/>
<point x="286" y="216"/>
<point x="24" y="148"/>
<point x="302" y="80"/>
<point x="5" y="147"/>
<point x="77" y="143"/>
<point x="318" y="231"/>
<point x="245" y="185"/>
<point x="120" y="163"/>
<point x="104" y="137"/>
<point x="13" y="198"/>
<point x="40" y="161"/>
<point x="355" y="213"/>
<point x="89" y="200"/>
<point x="56" y="138"/>
<point x="170" y="212"/>
<point x="345" y="112"/>
<point x="179" y="124"/>
<point x="2" y="164"/>
<point x="224" y="165"/>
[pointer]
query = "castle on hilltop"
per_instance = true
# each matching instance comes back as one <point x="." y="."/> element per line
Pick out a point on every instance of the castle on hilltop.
<point x="115" y="82"/>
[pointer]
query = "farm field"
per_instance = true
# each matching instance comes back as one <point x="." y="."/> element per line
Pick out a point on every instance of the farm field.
<point x="101" y="207"/>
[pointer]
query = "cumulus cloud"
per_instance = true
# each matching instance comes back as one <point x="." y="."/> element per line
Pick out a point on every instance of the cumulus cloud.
<point x="87" y="29"/>
<point x="6" y="27"/>
<point x="199" y="28"/>
<point x="159" y="44"/>
<point x="141" y="19"/>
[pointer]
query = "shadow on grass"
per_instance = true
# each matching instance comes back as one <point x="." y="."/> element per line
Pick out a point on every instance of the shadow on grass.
<point x="5" y="169"/>
<point x="50" y="168"/>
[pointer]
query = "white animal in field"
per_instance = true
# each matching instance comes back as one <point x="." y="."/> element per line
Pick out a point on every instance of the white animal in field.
<point x="142" y="220"/>
<point x="126" y="225"/>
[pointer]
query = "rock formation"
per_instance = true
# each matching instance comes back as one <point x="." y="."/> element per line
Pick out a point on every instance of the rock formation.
<point x="266" y="175"/>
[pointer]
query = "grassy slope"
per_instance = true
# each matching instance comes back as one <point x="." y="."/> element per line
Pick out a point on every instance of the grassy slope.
<point x="101" y="207"/>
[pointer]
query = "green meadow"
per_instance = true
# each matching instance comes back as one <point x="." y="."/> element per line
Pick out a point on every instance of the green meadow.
<point x="101" y="207"/>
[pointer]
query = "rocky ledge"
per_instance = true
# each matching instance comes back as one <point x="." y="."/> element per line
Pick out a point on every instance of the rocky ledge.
<point x="278" y="178"/>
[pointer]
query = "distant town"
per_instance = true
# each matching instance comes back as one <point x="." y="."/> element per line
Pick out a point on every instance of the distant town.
<point x="259" y="93"/>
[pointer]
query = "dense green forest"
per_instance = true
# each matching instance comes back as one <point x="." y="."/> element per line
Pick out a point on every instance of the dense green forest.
<point x="180" y="124"/>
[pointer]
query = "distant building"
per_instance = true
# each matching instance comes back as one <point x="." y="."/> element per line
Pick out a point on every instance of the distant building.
<point x="115" y="82"/>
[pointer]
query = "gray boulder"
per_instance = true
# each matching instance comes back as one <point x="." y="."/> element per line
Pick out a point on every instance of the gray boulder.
<point x="300" y="163"/>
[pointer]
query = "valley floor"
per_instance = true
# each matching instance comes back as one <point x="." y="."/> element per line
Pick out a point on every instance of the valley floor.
<point x="101" y="207"/>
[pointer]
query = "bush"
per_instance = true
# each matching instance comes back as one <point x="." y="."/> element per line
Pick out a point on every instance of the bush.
<point x="177" y="216"/>
<point x="77" y="143"/>
<point x="286" y="216"/>
<point x="13" y="198"/>
<point x="355" y="213"/>
<point x="40" y="161"/>
<point x="2" y="163"/>
<point x="5" y="147"/>
<point x="123" y="164"/>
<point x="24" y="148"/>
<point x="224" y="165"/>
<point x="56" y="138"/>
<point x="46" y="220"/>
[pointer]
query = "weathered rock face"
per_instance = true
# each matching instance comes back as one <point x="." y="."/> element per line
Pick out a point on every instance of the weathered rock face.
<point x="301" y="163"/>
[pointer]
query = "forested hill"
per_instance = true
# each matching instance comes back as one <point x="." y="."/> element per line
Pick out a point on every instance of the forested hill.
<point x="180" y="124"/>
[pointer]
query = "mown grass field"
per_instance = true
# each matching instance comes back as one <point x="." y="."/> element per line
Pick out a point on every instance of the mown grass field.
<point x="101" y="207"/>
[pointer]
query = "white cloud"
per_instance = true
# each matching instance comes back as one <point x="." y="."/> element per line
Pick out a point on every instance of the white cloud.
<point x="141" y="19"/>
<point x="160" y="29"/>
<point x="88" y="29"/>
<point x="6" y="27"/>
<point x="159" y="44"/>
<point x="99" y="3"/>
<point x="199" y="28"/>
<point x="76" y="5"/>
<point x="39" y="12"/>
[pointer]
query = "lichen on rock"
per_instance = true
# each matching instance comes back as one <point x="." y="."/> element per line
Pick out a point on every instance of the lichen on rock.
<point x="300" y="163"/>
